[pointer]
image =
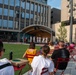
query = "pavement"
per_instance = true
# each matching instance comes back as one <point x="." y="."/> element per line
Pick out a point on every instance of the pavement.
<point x="70" y="70"/>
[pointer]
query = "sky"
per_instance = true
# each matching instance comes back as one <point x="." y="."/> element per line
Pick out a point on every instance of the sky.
<point x="55" y="3"/>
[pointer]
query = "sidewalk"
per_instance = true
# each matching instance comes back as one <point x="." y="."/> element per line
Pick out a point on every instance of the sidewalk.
<point x="70" y="70"/>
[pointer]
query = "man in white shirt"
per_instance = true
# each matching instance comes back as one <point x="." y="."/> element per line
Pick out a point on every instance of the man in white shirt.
<point x="42" y="65"/>
<point x="5" y="65"/>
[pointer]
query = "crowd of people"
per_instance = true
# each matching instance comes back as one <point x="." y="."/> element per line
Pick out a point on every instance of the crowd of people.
<point x="39" y="61"/>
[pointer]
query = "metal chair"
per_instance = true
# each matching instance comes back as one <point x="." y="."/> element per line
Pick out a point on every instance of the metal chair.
<point x="61" y="64"/>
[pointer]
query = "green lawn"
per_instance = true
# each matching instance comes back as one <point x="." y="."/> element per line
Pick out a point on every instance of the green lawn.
<point x="18" y="51"/>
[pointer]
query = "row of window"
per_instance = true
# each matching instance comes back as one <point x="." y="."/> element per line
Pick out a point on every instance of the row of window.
<point x="23" y="15"/>
<point x="28" y="6"/>
<point x="4" y="23"/>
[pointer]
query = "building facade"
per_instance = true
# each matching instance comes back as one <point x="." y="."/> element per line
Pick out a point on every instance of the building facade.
<point x="20" y="16"/>
<point x="55" y="15"/>
<point x="65" y="17"/>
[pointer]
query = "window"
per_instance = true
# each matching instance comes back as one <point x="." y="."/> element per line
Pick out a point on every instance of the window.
<point x="27" y="5"/>
<point x="11" y="2"/>
<point x="23" y="5"/>
<point x="32" y="6"/>
<point x="31" y="16"/>
<point x="1" y="1"/>
<point x="27" y="15"/>
<point x="0" y="22"/>
<point x="41" y="9"/>
<point x="38" y="8"/>
<point x="10" y="24"/>
<point x="0" y="11"/>
<point x="4" y="23"/>
<point x="11" y="13"/>
<point x="5" y="12"/>
<point x="23" y="15"/>
<point x="17" y="2"/>
<point x="6" y="2"/>
<point x="35" y="7"/>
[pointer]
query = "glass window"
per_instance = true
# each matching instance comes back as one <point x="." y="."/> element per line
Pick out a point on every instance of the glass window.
<point x="0" y="22"/>
<point x="27" y="5"/>
<point x="1" y="1"/>
<point x="35" y="7"/>
<point x="38" y="8"/>
<point x="32" y="6"/>
<point x="23" y="5"/>
<point x="0" y="11"/>
<point x="17" y="2"/>
<point x="27" y="15"/>
<point x="23" y="15"/>
<point x="11" y="2"/>
<point x="16" y="24"/>
<point x="10" y="24"/>
<point x="31" y="16"/>
<point x="41" y="9"/>
<point x="11" y="13"/>
<point x="4" y="23"/>
<point x="6" y="2"/>
<point x="5" y="12"/>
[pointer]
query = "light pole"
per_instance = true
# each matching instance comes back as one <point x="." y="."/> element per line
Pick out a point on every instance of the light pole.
<point x="71" y="20"/>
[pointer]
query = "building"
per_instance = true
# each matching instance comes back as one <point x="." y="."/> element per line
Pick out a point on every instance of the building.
<point x="55" y="15"/>
<point x="65" y="17"/>
<point x="22" y="20"/>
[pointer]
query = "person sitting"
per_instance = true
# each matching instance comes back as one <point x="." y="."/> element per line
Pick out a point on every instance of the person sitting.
<point x="30" y="52"/>
<point x="6" y="67"/>
<point x="44" y="66"/>
<point x="62" y="52"/>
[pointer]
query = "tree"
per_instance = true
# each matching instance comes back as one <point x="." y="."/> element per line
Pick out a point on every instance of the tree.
<point x="62" y="32"/>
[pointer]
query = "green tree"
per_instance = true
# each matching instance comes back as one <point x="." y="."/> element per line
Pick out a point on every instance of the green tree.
<point x="62" y="32"/>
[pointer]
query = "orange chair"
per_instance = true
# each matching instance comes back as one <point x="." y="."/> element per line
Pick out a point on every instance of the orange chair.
<point x="62" y="62"/>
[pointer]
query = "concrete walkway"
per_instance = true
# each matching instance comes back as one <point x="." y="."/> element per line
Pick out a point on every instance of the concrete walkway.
<point x="70" y="70"/>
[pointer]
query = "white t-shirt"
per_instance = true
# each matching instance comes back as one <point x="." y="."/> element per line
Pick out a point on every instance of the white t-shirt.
<point x="9" y="70"/>
<point x="39" y="62"/>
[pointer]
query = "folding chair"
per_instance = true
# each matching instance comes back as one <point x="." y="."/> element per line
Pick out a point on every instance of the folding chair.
<point x="62" y="64"/>
<point x="72" y="54"/>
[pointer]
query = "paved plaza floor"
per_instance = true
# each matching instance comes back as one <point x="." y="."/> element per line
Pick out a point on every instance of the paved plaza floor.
<point x="70" y="70"/>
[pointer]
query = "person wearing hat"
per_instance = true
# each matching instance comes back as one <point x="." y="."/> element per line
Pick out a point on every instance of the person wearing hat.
<point x="6" y="67"/>
<point x="44" y="66"/>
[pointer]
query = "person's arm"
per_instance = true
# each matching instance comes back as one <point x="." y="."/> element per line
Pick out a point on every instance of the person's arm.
<point x="51" y="68"/>
<point x="24" y="54"/>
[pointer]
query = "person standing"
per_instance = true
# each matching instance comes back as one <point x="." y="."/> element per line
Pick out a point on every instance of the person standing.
<point x="6" y="67"/>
